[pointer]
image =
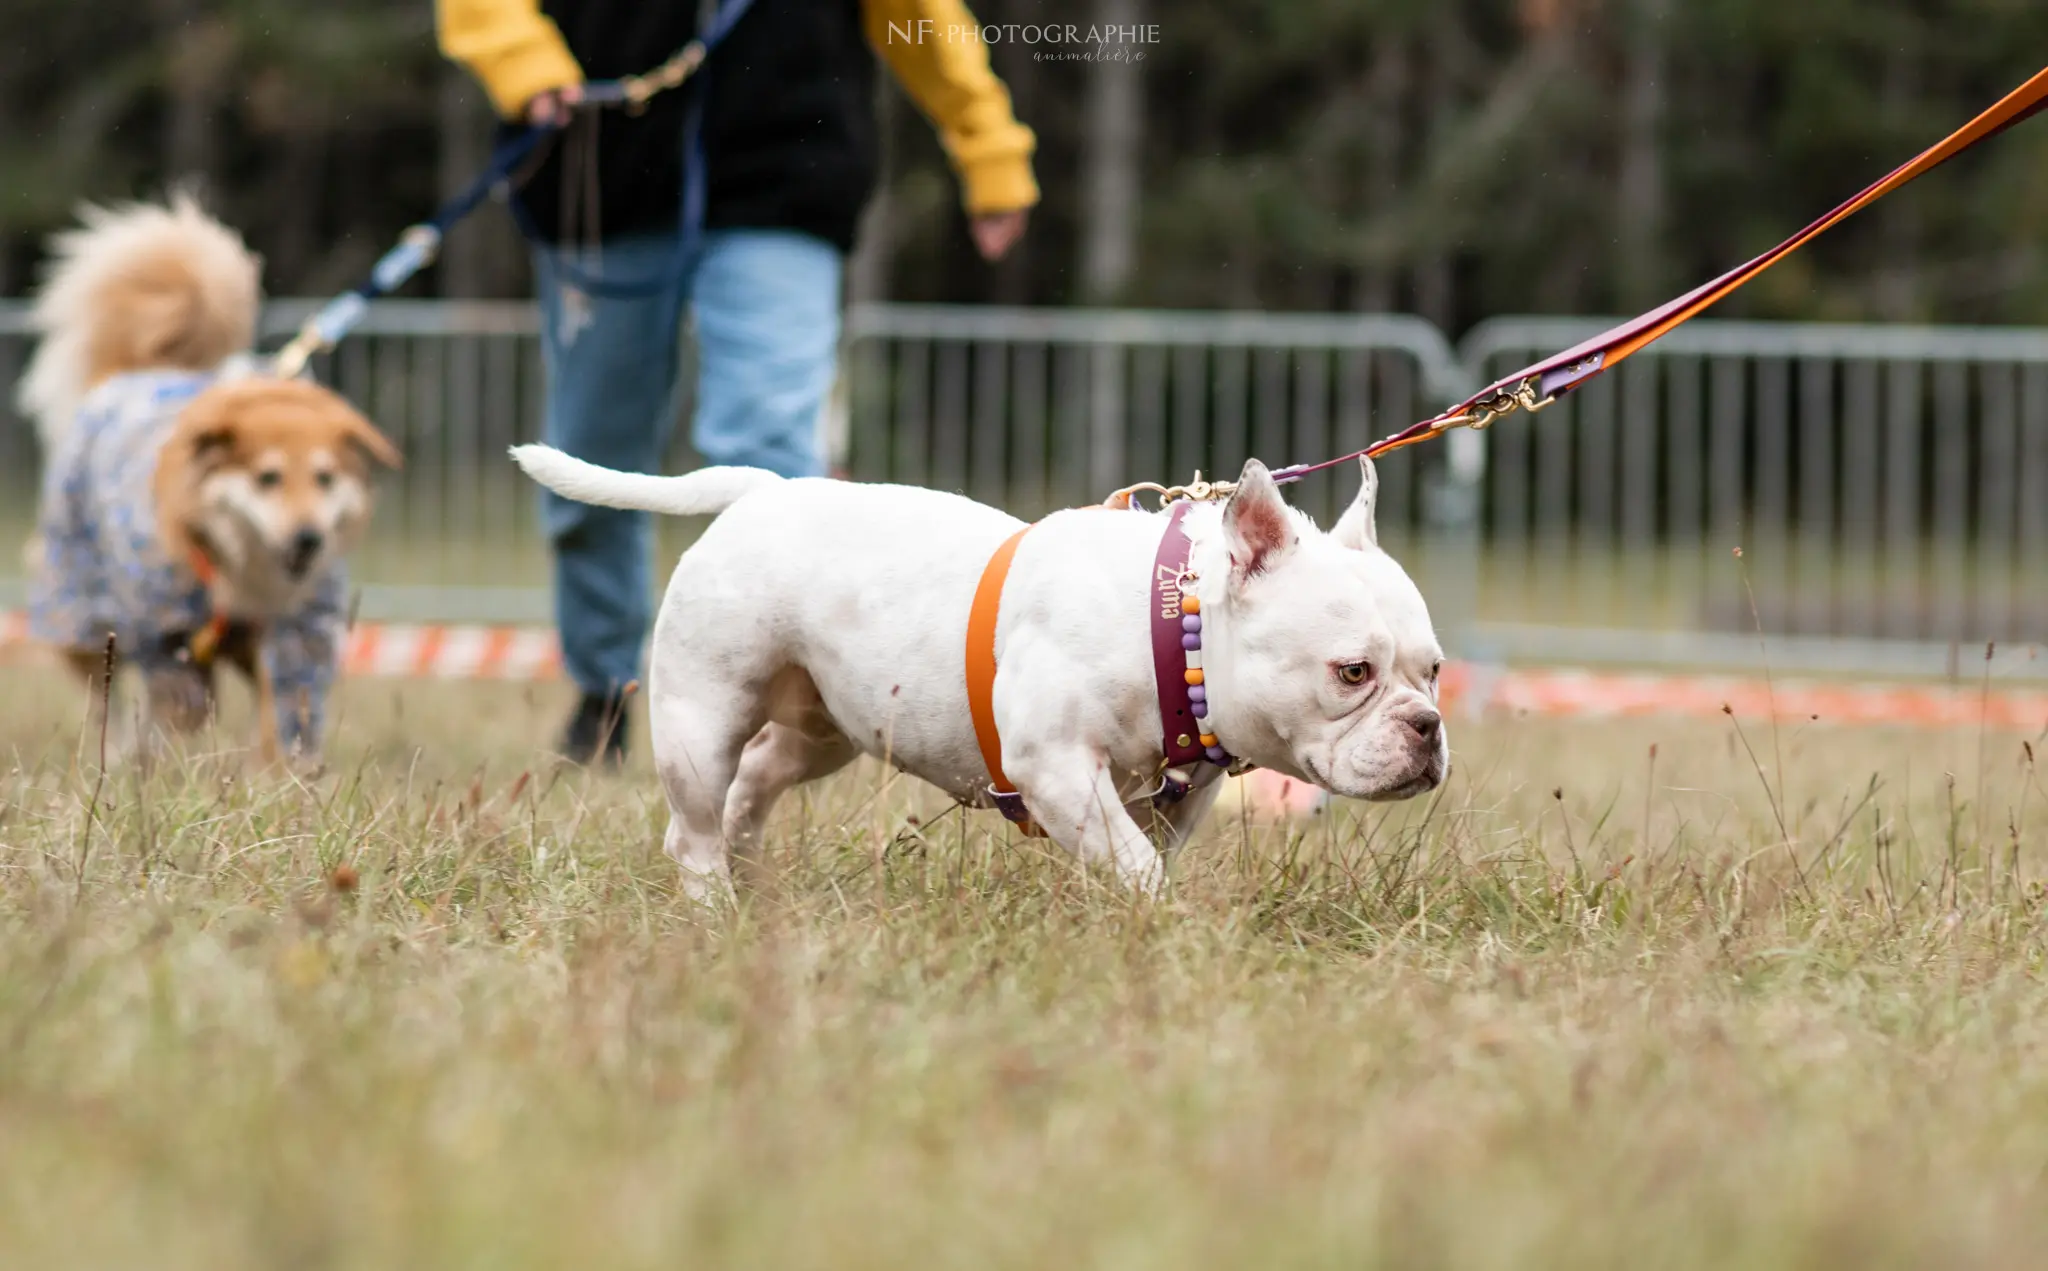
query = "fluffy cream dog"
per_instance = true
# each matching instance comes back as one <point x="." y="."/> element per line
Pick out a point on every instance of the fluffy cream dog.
<point x="192" y="508"/>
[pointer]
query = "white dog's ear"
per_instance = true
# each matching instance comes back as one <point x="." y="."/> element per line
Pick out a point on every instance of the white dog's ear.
<point x="1355" y="529"/>
<point x="1257" y="526"/>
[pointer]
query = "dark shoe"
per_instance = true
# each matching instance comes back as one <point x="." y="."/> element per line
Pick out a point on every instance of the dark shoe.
<point x="596" y="733"/>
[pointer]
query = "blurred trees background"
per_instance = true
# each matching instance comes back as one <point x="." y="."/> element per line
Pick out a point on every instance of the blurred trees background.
<point x="1455" y="158"/>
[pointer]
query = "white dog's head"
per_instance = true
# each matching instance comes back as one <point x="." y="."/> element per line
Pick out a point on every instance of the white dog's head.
<point x="1318" y="650"/>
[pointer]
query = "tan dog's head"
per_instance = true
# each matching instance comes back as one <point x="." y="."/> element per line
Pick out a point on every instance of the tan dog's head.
<point x="270" y="479"/>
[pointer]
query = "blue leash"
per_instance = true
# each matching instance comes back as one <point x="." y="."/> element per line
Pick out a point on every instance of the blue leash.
<point x="418" y="245"/>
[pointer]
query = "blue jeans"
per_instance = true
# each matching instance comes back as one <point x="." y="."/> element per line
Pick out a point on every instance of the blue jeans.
<point x="766" y="305"/>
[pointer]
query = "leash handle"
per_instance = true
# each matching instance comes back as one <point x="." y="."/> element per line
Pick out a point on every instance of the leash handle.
<point x="690" y="206"/>
<point x="1541" y="383"/>
<point x="418" y="245"/>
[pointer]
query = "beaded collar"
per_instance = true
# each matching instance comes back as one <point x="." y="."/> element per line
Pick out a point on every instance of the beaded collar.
<point x="1186" y="724"/>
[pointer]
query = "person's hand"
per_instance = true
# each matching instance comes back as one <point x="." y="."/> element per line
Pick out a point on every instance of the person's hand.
<point x="552" y="108"/>
<point x="995" y="233"/>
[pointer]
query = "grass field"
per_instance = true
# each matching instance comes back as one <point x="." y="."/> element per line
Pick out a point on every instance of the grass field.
<point x="443" y="1007"/>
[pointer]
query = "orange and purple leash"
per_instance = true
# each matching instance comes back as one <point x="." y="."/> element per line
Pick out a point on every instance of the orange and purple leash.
<point x="1539" y="384"/>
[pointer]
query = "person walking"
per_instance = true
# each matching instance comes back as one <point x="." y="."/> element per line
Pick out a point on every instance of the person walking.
<point x="789" y="146"/>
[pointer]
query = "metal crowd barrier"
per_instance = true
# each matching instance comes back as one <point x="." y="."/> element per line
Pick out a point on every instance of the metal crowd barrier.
<point x="1887" y="486"/>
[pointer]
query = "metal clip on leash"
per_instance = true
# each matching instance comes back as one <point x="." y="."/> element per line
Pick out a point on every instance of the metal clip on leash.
<point x="1481" y="414"/>
<point x="637" y="90"/>
<point x="1198" y="490"/>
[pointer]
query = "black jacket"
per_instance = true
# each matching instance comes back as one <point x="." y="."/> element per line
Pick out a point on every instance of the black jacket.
<point x="789" y="125"/>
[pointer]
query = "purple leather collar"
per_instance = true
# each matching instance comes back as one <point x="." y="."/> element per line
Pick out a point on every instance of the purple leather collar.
<point x="1176" y="663"/>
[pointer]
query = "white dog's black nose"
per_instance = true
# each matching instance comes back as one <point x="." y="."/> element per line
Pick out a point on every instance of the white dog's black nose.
<point x="1426" y="725"/>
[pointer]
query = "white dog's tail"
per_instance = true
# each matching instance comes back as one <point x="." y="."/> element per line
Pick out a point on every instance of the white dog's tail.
<point x="134" y="288"/>
<point x="705" y="492"/>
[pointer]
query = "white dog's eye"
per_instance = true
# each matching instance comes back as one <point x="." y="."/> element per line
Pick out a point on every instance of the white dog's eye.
<point x="1355" y="672"/>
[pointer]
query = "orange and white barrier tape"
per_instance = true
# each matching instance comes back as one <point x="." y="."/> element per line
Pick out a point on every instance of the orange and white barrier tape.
<point x="419" y="651"/>
<point x="427" y="651"/>
<point x="1600" y="695"/>
<point x="452" y="653"/>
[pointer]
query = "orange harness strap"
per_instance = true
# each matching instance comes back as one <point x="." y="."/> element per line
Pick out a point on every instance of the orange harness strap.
<point x="981" y="680"/>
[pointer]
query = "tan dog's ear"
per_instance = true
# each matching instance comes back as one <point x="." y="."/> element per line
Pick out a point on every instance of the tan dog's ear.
<point x="214" y="437"/>
<point x="363" y="433"/>
<point x="208" y="424"/>
<point x="205" y="433"/>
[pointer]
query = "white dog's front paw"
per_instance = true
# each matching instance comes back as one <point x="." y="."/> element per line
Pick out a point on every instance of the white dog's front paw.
<point x="1145" y="875"/>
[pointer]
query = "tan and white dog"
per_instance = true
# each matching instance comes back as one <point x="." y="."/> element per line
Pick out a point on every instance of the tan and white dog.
<point x="193" y="509"/>
<point x="817" y="620"/>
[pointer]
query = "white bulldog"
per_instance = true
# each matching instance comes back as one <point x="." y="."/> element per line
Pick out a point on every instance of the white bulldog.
<point x="817" y="620"/>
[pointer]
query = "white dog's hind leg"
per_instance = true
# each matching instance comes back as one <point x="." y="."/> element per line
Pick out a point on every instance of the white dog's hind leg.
<point x="707" y="878"/>
<point x="698" y="739"/>
<point x="1072" y="795"/>
<point x="778" y="758"/>
<point x="800" y="742"/>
